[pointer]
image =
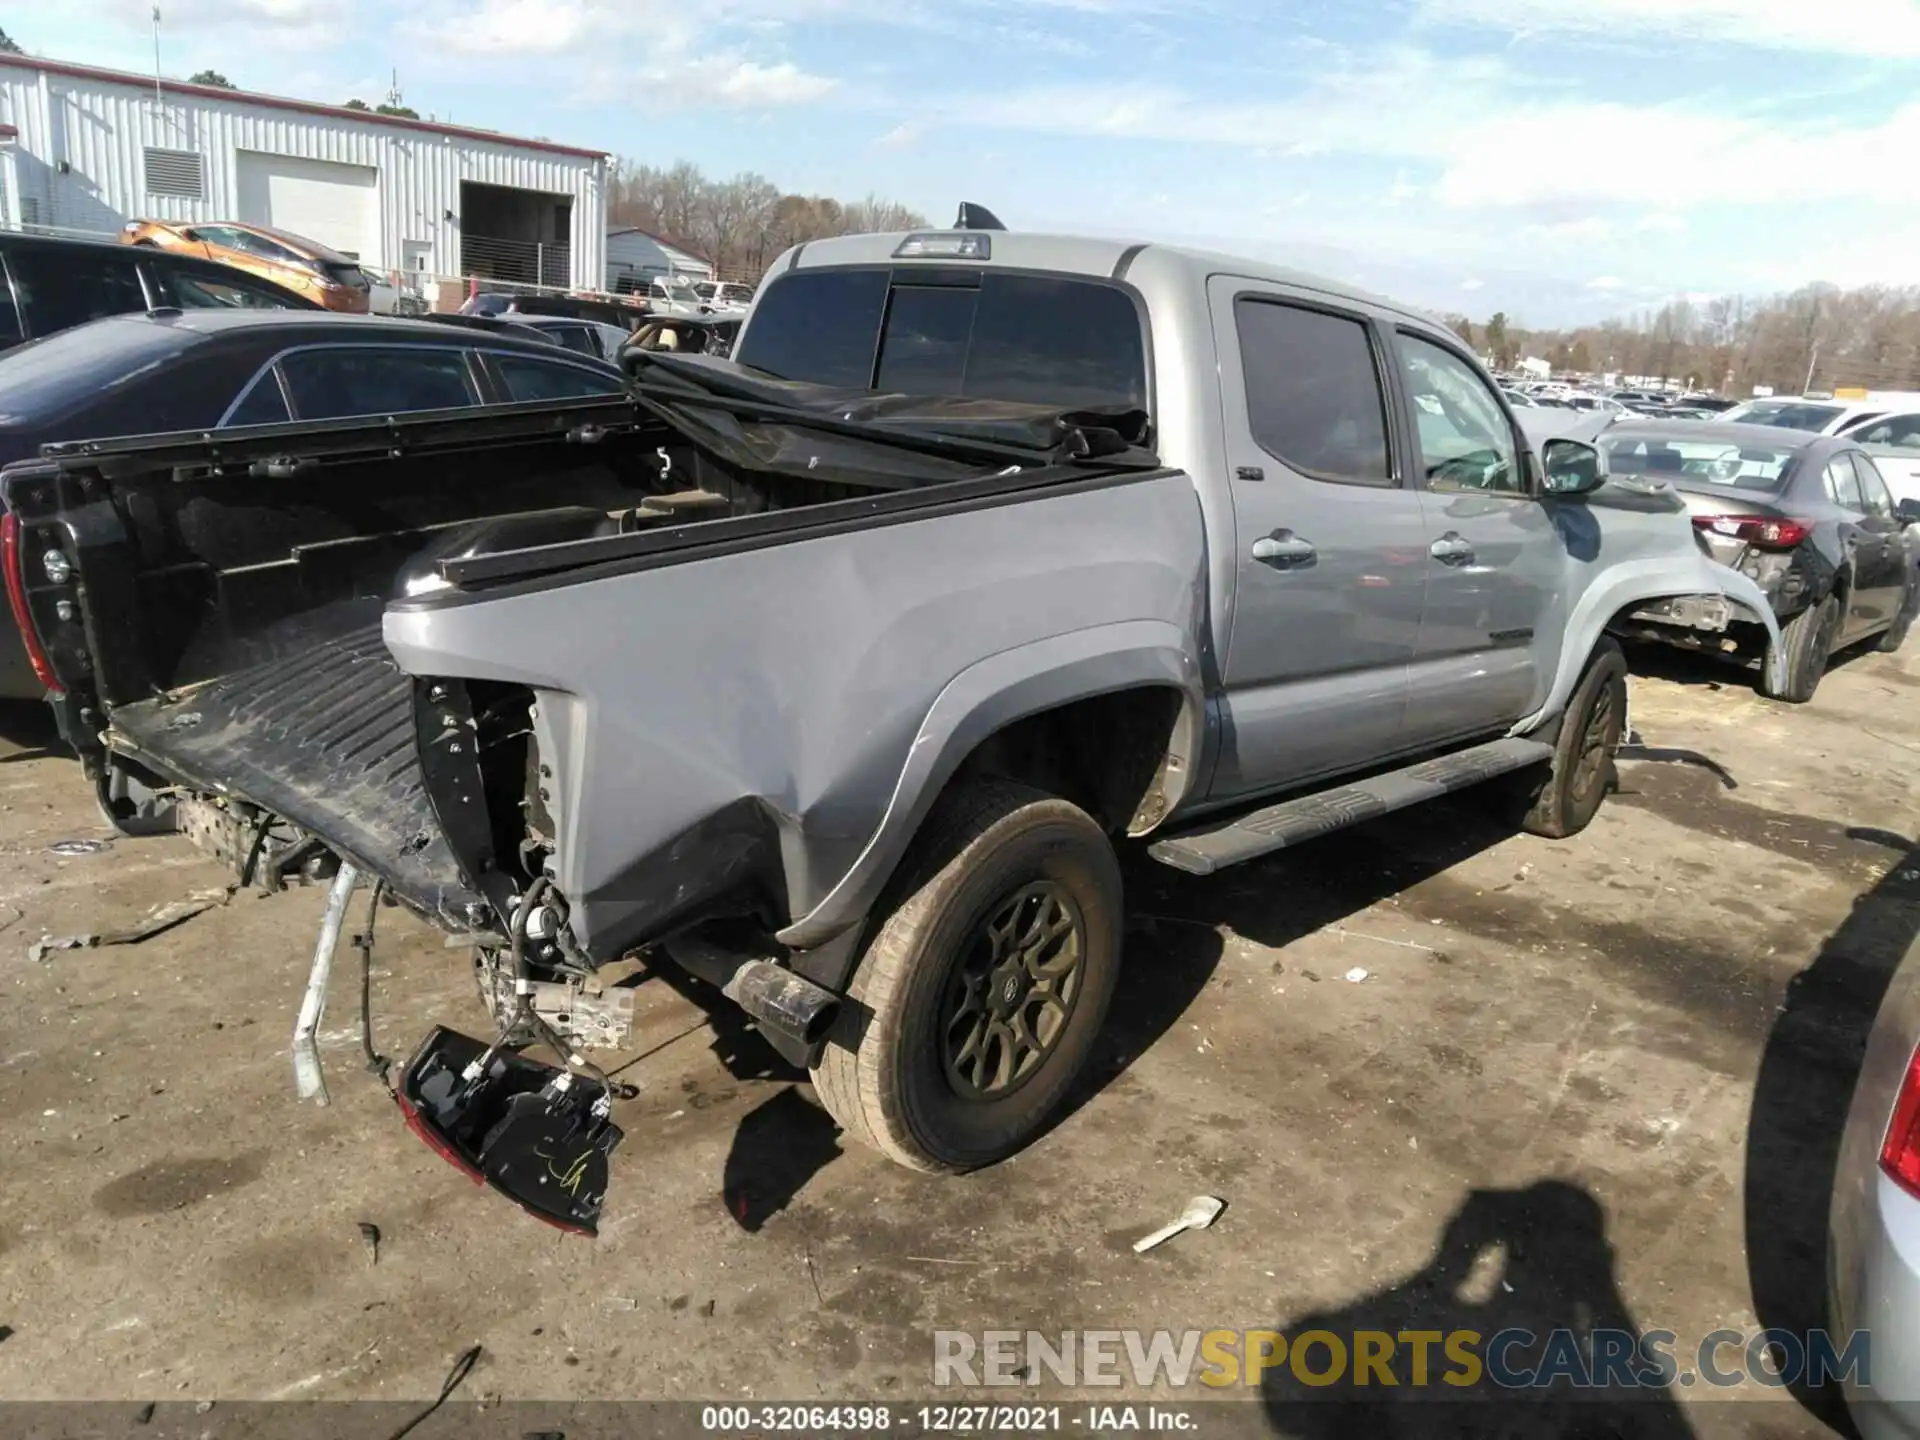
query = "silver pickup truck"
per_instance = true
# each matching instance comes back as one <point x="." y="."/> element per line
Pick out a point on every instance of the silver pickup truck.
<point x="838" y="672"/>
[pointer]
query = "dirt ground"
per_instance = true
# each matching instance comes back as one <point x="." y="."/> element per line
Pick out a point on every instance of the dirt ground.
<point x="1620" y="1061"/>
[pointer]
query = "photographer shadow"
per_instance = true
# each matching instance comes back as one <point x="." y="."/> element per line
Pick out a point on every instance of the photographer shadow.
<point x="1536" y="1260"/>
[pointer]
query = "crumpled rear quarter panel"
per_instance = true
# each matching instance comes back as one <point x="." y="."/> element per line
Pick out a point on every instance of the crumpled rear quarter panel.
<point x="756" y="708"/>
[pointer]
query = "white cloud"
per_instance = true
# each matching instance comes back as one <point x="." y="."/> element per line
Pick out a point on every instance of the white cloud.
<point x="903" y="134"/>
<point x="1587" y="227"/>
<point x="519" y="27"/>
<point x="1873" y="28"/>
<point x="1607" y="282"/>
<point x="1660" y="222"/>
<point x="1473" y="284"/>
<point x="648" y="53"/>
<point x="745" y="84"/>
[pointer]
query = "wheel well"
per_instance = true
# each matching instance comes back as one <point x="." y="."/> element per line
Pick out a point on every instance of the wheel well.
<point x="1108" y="754"/>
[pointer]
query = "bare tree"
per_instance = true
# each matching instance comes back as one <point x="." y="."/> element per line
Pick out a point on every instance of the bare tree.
<point x="1818" y="336"/>
<point x="738" y="225"/>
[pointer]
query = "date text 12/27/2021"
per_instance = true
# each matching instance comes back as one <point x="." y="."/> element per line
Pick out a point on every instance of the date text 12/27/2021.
<point x="944" y="1419"/>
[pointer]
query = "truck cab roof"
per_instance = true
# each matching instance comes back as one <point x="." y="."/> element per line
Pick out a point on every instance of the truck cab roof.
<point x="1091" y="256"/>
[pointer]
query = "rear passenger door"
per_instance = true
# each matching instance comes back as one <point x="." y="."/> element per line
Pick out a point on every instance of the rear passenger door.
<point x="1490" y="636"/>
<point x="1330" y="571"/>
<point x="1861" y="550"/>
<point x="1881" y="563"/>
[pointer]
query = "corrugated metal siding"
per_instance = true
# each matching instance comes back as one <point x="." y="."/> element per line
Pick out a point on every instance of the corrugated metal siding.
<point x="100" y="131"/>
<point x="631" y="252"/>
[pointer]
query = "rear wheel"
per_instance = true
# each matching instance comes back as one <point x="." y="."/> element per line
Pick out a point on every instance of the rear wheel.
<point x="1563" y="801"/>
<point x="1896" y="634"/>
<point x="1807" y="640"/>
<point x="978" y="1003"/>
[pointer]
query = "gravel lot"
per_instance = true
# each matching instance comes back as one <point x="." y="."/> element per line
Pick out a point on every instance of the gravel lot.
<point x="1621" y="1059"/>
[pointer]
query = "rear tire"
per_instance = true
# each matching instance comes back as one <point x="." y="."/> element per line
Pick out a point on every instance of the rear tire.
<point x="1808" y="641"/>
<point x="1564" y="800"/>
<point x="1896" y="634"/>
<point x="977" y="1005"/>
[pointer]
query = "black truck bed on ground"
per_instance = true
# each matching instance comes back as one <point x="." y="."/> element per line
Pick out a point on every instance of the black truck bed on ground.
<point x="325" y="739"/>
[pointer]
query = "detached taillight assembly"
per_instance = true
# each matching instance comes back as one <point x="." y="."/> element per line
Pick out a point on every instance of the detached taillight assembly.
<point x="1900" y="1151"/>
<point x="1763" y="532"/>
<point x="13" y="561"/>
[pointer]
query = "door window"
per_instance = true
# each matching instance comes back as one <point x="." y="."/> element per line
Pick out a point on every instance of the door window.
<point x="1843" y="486"/>
<point x="208" y="292"/>
<point x="528" y="379"/>
<point x="573" y="337"/>
<point x="263" y="404"/>
<point x="61" y="289"/>
<point x="388" y="380"/>
<point x="10" y="331"/>
<point x="1901" y="430"/>
<point x="1313" y="391"/>
<point x="265" y="249"/>
<point x="1875" y="498"/>
<point x="1465" y="441"/>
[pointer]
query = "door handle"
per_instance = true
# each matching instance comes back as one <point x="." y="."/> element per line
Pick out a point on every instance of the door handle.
<point x="1283" y="549"/>
<point x="1452" y="548"/>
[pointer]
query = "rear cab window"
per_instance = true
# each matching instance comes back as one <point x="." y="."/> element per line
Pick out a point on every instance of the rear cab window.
<point x="1069" y="341"/>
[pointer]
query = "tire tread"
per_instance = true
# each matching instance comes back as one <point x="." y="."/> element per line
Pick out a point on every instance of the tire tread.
<point x="858" y="1089"/>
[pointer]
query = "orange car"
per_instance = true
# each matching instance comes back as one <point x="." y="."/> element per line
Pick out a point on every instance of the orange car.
<point x="326" y="277"/>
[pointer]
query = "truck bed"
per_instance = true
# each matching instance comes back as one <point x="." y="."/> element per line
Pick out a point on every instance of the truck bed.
<point x="324" y="738"/>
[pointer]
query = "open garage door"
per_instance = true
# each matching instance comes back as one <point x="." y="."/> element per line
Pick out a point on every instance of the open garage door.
<point x="338" y="205"/>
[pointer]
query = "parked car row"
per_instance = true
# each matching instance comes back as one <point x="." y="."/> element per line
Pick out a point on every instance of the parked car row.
<point x="1808" y="518"/>
<point x="317" y="272"/>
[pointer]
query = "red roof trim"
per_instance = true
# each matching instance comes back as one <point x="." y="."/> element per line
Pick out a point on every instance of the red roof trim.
<point x="278" y="102"/>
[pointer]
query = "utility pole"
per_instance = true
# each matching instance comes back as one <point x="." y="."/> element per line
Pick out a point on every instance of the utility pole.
<point x="1811" y="365"/>
<point x="158" y="99"/>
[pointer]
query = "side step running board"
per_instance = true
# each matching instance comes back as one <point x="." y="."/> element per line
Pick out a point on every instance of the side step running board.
<point x="1246" y="837"/>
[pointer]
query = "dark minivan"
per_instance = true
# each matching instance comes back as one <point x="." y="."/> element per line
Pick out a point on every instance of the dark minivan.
<point x="49" y="284"/>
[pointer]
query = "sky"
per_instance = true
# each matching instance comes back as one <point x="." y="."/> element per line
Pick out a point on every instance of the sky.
<point x="1561" y="160"/>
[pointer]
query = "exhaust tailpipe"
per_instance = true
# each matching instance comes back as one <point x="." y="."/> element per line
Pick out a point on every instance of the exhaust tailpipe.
<point x="772" y="994"/>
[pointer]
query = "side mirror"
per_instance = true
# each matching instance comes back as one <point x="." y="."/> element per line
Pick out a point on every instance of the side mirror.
<point x="1907" y="512"/>
<point x="1570" y="467"/>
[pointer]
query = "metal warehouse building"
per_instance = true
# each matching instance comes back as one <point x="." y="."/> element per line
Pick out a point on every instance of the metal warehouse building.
<point x="84" y="150"/>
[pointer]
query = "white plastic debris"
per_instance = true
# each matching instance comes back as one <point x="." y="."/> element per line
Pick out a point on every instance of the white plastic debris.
<point x="1201" y="1211"/>
<point x="1357" y="974"/>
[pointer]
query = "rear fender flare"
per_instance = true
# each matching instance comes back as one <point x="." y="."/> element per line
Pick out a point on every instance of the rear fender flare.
<point x="990" y="695"/>
<point x="1634" y="582"/>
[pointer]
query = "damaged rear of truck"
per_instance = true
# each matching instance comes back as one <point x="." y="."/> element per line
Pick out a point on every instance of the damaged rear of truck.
<point x="573" y="681"/>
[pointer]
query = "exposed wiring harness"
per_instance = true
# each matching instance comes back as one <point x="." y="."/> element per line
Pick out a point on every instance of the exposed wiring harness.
<point x="523" y="1006"/>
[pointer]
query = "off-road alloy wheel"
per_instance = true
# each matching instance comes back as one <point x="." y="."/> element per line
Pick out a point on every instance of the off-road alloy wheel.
<point x="1564" y="801"/>
<point x="978" y="1002"/>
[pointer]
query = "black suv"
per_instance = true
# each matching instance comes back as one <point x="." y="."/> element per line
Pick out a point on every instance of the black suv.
<point x="47" y="285"/>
